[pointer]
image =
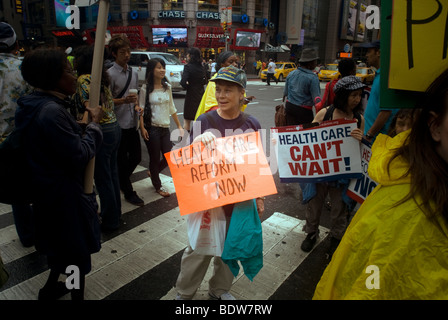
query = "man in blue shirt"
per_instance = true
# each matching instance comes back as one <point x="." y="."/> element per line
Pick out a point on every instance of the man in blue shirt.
<point x="302" y="90"/>
<point x="168" y="38"/>
<point x="376" y="120"/>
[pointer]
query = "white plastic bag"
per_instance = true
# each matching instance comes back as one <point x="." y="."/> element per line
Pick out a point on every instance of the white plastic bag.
<point x="207" y="231"/>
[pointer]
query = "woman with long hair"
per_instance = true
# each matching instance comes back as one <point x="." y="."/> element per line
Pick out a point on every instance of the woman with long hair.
<point x="156" y="99"/>
<point x="396" y="246"/>
<point x="347" y="105"/>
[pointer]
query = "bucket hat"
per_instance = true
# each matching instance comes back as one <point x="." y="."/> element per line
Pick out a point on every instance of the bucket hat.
<point x="7" y="35"/>
<point x="308" y="54"/>
<point x="349" y="83"/>
<point x="231" y="74"/>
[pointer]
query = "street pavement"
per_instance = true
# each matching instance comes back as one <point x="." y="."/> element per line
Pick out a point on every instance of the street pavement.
<point x="141" y="261"/>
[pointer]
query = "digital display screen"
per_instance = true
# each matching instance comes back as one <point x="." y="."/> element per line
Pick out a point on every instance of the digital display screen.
<point x="169" y="36"/>
<point x="247" y="39"/>
<point x="61" y="16"/>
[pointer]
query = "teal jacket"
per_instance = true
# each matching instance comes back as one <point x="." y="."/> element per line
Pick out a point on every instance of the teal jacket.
<point x="244" y="241"/>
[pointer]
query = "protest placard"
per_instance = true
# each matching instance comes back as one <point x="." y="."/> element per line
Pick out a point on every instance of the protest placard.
<point x="324" y="153"/>
<point x="414" y="50"/>
<point x="359" y="189"/>
<point x="234" y="169"/>
<point x="419" y="43"/>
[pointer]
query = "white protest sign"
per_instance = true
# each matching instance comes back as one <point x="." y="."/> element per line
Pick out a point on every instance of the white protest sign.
<point x="324" y="153"/>
<point x="359" y="189"/>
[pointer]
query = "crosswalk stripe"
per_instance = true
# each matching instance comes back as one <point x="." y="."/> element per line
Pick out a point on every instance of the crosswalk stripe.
<point x="281" y="256"/>
<point x="133" y="253"/>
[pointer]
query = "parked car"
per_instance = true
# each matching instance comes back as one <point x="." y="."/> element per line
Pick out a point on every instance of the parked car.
<point x="174" y="68"/>
<point x="366" y="75"/>
<point x="282" y="69"/>
<point x="329" y="73"/>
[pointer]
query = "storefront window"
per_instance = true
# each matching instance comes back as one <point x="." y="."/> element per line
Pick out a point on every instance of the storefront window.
<point x="139" y="5"/>
<point x="173" y="5"/>
<point x="239" y="6"/>
<point x="208" y="5"/>
<point x="258" y="8"/>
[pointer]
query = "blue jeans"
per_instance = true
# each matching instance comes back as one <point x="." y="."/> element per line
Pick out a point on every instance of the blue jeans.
<point x="106" y="176"/>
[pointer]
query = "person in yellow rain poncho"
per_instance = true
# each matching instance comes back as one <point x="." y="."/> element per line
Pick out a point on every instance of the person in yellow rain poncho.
<point x="396" y="246"/>
<point x="208" y="101"/>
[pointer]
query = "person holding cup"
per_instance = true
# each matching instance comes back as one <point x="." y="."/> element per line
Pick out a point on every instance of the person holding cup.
<point x="123" y="80"/>
<point x="137" y="108"/>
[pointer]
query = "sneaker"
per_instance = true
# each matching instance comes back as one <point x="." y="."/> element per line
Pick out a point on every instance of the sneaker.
<point x="163" y="192"/>
<point x="135" y="199"/>
<point x="309" y="242"/>
<point x="224" y="296"/>
<point x="179" y="297"/>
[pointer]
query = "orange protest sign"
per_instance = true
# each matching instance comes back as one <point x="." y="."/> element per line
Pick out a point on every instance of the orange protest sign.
<point x="235" y="169"/>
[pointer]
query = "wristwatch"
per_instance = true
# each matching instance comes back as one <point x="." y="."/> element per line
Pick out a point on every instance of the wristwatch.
<point x="368" y="136"/>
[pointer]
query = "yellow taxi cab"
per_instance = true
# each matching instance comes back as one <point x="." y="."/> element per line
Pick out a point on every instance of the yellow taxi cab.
<point x="366" y="75"/>
<point x="282" y="69"/>
<point x="329" y="73"/>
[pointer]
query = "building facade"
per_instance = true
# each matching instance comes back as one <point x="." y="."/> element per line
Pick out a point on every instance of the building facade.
<point x="254" y="30"/>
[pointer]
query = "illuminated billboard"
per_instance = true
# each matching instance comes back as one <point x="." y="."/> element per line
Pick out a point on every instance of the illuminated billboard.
<point x="169" y="36"/>
<point x="246" y="39"/>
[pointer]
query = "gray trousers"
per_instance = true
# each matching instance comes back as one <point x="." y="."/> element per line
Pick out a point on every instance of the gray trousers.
<point x="338" y="213"/>
<point x="192" y="272"/>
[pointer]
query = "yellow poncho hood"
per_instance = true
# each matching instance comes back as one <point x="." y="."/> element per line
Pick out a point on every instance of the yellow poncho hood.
<point x="397" y="243"/>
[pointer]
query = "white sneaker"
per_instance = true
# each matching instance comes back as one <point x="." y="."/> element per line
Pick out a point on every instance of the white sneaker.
<point x="224" y="296"/>
<point x="179" y="297"/>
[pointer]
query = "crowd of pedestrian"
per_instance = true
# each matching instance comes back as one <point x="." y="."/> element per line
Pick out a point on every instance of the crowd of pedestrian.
<point x="401" y="228"/>
<point x="400" y="231"/>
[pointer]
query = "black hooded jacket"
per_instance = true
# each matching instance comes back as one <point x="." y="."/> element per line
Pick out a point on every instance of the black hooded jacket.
<point x="58" y="153"/>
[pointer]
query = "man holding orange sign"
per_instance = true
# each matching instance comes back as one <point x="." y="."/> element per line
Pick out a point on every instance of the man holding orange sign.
<point x="222" y="168"/>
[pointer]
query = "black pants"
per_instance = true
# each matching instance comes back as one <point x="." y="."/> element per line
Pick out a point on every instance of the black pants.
<point x="269" y="76"/>
<point x="296" y="115"/>
<point x="159" y="143"/>
<point x="129" y="157"/>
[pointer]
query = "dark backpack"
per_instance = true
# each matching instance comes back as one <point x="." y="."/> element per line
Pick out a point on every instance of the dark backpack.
<point x="15" y="171"/>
